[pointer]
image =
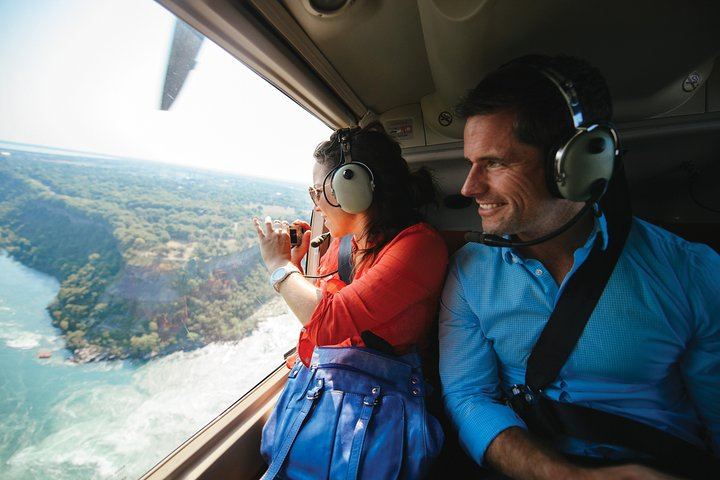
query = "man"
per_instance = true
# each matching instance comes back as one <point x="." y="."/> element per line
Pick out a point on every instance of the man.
<point x="650" y="351"/>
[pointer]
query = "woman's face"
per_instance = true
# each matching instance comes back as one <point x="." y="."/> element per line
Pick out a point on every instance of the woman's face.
<point x="338" y="222"/>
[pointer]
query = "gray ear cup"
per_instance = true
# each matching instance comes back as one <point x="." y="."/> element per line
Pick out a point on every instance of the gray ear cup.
<point x="353" y="185"/>
<point x="588" y="156"/>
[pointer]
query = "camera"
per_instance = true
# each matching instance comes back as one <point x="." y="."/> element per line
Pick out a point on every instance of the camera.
<point x="295" y="236"/>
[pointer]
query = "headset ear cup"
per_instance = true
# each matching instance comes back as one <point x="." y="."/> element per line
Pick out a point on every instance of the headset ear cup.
<point x="550" y="169"/>
<point x="353" y="186"/>
<point x="587" y="157"/>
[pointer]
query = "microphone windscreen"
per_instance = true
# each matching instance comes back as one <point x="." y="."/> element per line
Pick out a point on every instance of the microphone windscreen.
<point x="317" y="241"/>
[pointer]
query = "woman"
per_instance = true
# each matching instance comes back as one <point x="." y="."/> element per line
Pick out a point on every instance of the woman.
<point x="357" y="413"/>
<point x="398" y="262"/>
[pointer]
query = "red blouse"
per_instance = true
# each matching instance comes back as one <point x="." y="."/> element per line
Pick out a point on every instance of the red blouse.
<point x="395" y="297"/>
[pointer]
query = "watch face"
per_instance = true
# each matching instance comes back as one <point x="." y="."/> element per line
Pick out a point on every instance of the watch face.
<point x="278" y="274"/>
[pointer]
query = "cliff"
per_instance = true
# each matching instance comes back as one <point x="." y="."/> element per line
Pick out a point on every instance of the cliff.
<point x="150" y="259"/>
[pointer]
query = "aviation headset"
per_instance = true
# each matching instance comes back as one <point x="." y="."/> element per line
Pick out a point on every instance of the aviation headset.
<point x="587" y="156"/>
<point x="352" y="183"/>
<point x="579" y="169"/>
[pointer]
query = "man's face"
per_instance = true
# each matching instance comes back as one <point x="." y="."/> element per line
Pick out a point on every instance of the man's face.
<point x="507" y="180"/>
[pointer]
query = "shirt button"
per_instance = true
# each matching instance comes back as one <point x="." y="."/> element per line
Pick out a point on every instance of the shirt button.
<point x="515" y="259"/>
<point x="538" y="272"/>
<point x="564" y="397"/>
<point x="303" y="329"/>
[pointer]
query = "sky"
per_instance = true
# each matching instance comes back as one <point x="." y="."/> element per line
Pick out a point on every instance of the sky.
<point x="87" y="75"/>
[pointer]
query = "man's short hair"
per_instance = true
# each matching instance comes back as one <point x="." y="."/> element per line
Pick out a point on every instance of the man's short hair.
<point x="543" y="118"/>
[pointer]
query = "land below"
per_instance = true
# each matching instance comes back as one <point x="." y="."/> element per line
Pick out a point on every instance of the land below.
<point x="151" y="258"/>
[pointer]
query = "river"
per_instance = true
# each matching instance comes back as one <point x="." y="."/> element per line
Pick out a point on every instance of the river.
<point x="109" y="420"/>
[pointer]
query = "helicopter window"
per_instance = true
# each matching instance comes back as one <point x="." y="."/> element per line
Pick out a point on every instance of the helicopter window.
<point x="134" y="306"/>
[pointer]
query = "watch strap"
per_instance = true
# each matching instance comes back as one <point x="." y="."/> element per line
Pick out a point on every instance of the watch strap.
<point x="279" y="275"/>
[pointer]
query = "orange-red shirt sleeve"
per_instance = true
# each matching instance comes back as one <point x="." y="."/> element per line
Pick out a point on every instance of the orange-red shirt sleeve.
<point x="395" y="297"/>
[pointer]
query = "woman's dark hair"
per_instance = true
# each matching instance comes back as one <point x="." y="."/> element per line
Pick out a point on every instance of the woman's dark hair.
<point x="543" y="119"/>
<point x="398" y="192"/>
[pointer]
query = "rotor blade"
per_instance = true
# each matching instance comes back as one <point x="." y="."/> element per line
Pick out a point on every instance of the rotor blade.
<point x="183" y="52"/>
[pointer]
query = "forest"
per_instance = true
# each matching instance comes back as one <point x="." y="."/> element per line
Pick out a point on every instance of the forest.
<point x="151" y="258"/>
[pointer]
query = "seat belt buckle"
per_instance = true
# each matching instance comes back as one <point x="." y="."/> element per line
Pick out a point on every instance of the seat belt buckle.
<point x="532" y="408"/>
<point x="521" y="396"/>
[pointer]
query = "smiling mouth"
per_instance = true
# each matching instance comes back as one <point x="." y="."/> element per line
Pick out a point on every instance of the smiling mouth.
<point x="489" y="206"/>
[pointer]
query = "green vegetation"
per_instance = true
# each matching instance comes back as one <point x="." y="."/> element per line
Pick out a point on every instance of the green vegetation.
<point x="151" y="258"/>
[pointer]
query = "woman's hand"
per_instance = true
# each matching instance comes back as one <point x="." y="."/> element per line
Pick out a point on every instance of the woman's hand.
<point x="297" y="253"/>
<point x="274" y="241"/>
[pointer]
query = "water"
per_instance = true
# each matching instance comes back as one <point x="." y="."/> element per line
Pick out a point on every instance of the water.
<point x="110" y="420"/>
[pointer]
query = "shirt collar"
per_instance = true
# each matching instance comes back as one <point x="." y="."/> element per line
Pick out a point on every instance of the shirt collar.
<point x="511" y="256"/>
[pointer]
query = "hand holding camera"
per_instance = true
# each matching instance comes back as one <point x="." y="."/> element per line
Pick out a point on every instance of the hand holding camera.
<point x="299" y="240"/>
<point x="281" y="242"/>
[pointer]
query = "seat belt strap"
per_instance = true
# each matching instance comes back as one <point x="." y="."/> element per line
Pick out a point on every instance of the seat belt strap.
<point x="571" y="314"/>
<point x="581" y="294"/>
<point x="557" y="341"/>
<point x="669" y="453"/>
<point x="344" y="271"/>
<point x="345" y="259"/>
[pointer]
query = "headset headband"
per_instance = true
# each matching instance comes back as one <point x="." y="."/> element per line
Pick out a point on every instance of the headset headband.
<point x="588" y="155"/>
<point x="345" y="149"/>
<point x="567" y="89"/>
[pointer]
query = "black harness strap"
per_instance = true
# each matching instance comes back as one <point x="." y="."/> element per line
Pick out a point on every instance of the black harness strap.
<point x="666" y="451"/>
<point x="582" y="292"/>
<point x="572" y="312"/>
<point x="345" y="270"/>
<point x="345" y="259"/>
<point x="551" y="419"/>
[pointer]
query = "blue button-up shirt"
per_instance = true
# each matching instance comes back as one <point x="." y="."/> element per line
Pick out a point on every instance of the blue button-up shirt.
<point x="650" y="351"/>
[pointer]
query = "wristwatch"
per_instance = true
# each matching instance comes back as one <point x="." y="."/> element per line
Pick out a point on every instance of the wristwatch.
<point x="280" y="274"/>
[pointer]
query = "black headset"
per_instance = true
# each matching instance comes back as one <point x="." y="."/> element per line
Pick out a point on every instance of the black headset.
<point x="587" y="156"/>
<point x="352" y="183"/>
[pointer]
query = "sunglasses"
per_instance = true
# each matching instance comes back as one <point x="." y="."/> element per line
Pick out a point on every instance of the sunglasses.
<point x="315" y="194"/>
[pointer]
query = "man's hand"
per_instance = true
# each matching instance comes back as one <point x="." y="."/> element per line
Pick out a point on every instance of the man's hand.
<point x="516" y="454"/>
<point x="625" y="472"/>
